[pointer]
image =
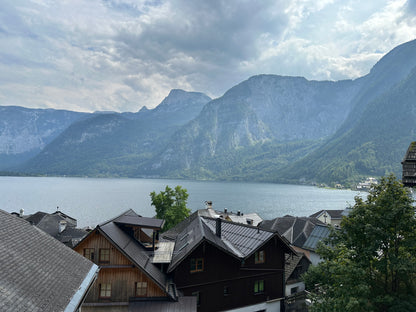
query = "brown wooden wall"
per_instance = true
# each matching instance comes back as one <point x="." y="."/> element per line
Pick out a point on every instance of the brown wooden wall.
<point x="120" y="272"/>
<point x="222" y="270"/>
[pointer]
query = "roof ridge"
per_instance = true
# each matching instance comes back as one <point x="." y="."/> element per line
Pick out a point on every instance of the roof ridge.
<point x="239" y="224"/>
<point x="111" y="220"/>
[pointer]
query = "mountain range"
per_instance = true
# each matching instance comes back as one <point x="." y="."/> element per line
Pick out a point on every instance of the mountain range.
<point x="268" y="128"/>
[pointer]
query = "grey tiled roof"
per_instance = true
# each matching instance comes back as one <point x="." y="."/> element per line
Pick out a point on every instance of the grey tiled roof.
<point x="291" y="264"/>
<point x="237" y="239"/>
<point x="49" y="223"/>
<point x="335" y="214"/>
<point x="38" y="273"/>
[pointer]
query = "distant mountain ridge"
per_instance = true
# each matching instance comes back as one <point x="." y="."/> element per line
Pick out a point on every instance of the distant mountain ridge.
<point x="116" y="144"/>
<point x="267" y="128"/>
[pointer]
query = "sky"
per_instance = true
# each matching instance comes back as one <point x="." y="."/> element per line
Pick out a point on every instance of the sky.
<point x="120" y="55"/>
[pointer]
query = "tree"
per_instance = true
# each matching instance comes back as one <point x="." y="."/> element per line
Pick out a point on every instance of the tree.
<point x="369" y="264"/>
<point x="170" y="205"/>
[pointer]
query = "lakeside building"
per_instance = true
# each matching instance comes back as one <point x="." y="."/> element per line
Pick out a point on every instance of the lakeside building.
<point x="128" y="279"/>
<point x="58" y="225"/>
<point x="39" y="273"/>
<point x="228" y="265"/>
<point x="202" y="264"/>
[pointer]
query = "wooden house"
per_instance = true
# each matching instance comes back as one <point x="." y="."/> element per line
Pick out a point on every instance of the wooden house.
<point x="229" y="265"/>
<point x="123" y="247"/>
<point x="409" y="166"/>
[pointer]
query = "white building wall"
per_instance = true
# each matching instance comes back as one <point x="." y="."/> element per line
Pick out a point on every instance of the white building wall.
<point x="268" y="306"/>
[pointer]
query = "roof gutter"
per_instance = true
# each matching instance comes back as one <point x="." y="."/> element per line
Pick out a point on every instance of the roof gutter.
<point x="79" y="297"/>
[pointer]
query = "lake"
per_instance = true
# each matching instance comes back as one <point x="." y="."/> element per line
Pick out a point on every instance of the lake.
<point x="93" y="201"/>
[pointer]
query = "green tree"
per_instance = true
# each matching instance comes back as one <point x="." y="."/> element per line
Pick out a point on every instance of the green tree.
<point x="369" y="264"/>
<point x="170" y="205"/>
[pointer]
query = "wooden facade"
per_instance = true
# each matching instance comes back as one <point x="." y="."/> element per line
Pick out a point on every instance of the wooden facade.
<point x="119" y="280"/>
<point x="226" y="282"/>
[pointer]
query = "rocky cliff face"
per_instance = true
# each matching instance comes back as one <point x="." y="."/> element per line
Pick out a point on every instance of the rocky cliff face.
<point x="24" y="132"/>
<point x="265" y="108"/>
<point x="115" y="144"/>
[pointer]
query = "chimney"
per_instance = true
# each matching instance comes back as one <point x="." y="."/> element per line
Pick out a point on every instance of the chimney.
<point x="238" y="213"/>
<point x="208" y="204"/>
<point x="225" y="210"/>
<point x="22" y="212"/>
<point x="62" y="226"/>
<point x="218" y="227"/>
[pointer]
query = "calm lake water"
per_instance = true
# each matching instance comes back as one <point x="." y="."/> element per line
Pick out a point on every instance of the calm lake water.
<point x="93" y="201"/>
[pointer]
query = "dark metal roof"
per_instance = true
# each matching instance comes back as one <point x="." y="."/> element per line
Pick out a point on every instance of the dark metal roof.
<point x="38" y="273"/>
<point x="131" y="218"/>
<point x="135" y="252"/>
<point x="237" y="239"/>
<point x="295" y="229"/>
<point x="319" y="233"/>
<point x="184" y="304"/>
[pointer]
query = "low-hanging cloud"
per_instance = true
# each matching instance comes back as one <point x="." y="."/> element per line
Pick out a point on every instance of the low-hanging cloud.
<point x="123" y="54"/>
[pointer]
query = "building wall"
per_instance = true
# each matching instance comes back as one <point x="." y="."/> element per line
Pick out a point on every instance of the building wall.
<point x="228" y="283"/>
<point x="120" y="272"/>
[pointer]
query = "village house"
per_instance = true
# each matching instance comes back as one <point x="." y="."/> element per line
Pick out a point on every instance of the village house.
<point x="332" y="217"/>
<point x="409" y="166"/>
<point x="227" y="265"/>
<point x="251" y="218"/>
<point x="38" y="273"/>
<point x="128" y="279"/>
<point x="296" y="265"/>
<point x="57" y="224"/>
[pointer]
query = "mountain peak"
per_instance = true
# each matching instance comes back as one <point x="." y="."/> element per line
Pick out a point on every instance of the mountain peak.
<point x="179" y="99"/>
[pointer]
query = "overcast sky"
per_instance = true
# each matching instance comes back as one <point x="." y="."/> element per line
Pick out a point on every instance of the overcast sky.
<point x="120" y="55"/>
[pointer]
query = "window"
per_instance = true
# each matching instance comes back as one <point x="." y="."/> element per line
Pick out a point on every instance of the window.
<point x="259" y="286"/>
<point x="104" y="255"/>
<point x="226" y="291"/>
<point x="197" y="265"/>
<point x="294" y="290"/>
<point x="141" y="289"/>
<point x="89" y="253"/>
<point x="198" y="298"/>
<point x="105" y="290"/>
<point x="259" y="257"/>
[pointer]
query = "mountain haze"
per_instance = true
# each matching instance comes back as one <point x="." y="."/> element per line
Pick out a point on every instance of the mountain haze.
<point x="116" y="144"/>
<point x="25" y="132"/>
<point x="267" y="128"/>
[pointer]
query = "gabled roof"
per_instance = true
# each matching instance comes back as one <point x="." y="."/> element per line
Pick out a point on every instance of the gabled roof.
<point x="292" y="262"/>
<point x="319" y="233"/>
<point x="38" y="273"/>
<point x="238" y="240"/>
<point x="335" y="214"/>
<point x="50" y="223"/>
<point x="131" y="218"/>
<point x="132" y="249"/>
<point x="295" y="229"/>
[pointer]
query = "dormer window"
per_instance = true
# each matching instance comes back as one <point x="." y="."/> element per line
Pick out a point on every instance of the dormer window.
<point x="259" y="257"/>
